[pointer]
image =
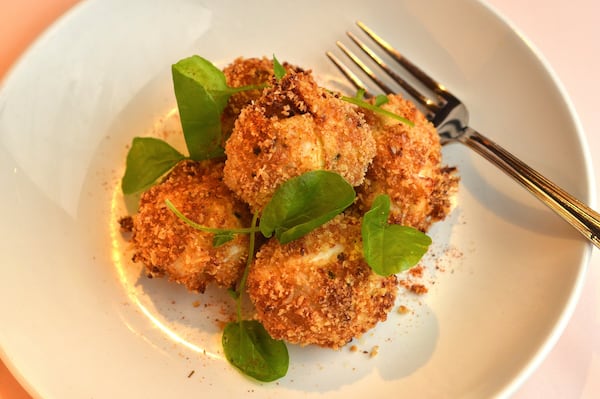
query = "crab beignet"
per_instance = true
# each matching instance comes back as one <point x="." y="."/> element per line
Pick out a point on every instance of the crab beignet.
<point x="295" y="127"/>
<point x="319" y="289"/>
<point x="408" y="167"/>
<point x="169" y="247"/>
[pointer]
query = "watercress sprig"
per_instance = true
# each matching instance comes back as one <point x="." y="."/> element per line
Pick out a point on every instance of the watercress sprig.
<point x="202" y="93"/>
<point x="221" y="236"/>
<point x="305" y="202"/>
<point x="278" y="69"/>
<point x="147" y="160"/>
<point x="390" y="248"/>
<point x="246" y="343"/>
<point x="359" y="100"/>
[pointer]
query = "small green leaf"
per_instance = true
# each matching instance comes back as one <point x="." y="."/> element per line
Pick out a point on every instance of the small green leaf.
<point x="381" y="99"/>
<point x="278" y="69"/>
<point x="360" y="94"/>
<point x="250" y="348"/>
<point x="389" y="248"/>
<point x="222" y="238"/>
<point x="202" y="93"/>
<point x="379" y="212"/>
<point x="147" y="160"/>
<point x="233" y="294"/>
<point x="304" y="203"/>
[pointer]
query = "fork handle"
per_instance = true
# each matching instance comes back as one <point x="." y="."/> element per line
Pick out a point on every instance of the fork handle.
<point x="579" y="215"/>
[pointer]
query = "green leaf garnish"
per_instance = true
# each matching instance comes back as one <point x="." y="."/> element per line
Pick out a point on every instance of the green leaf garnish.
<point x="233" y="294"/>
<point x="278" y="69"/>
<point x="390" y="248"/>
<point x="381" y="99"/>
<point x="221" y="236"/>
<point x="305" y="202"/>
<point x="360" y="94"/>
<point x="147" y="160"/>
<point x="246" y="343"/>
<point x="201" y="92"/>
<point x="377" y="108"/>
<point x="250" y="348"/>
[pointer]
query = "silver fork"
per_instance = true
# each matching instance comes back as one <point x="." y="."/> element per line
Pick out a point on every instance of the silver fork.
<point x="450" y="116"/>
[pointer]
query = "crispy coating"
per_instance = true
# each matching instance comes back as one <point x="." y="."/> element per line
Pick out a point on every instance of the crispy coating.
<point x="169" y="247"/>
<point x="293" y="128"/>
<point x="407" y="167"/>
<point x="246" y="72"/>
<point x="319" y="289"/>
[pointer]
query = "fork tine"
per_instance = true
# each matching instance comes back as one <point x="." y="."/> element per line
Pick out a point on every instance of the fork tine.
<point x="352" y="77"/>
<point x="417" y="72"/>
<point x="417" y="95"/>
<point x="386" y="89"/>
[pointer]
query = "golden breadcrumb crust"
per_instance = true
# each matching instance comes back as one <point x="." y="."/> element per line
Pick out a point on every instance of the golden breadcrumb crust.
<point x="246" y="72"/>
<point x="319" y="289"/>
<point x="407" y="166"/>
<point x="293" y="128"/>
<point x="169" y="247"/>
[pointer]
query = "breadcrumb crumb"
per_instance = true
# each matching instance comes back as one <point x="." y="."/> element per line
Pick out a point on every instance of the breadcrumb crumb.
<point x="403" y="309"/>
<point x="374" y="351"/>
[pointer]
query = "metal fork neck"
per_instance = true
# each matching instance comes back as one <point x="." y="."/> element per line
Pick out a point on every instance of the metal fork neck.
<point x="579" y="215"/>
<point x="451" y="120"/>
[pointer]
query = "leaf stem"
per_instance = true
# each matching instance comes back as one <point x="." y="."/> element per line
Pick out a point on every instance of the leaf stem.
<point x="242" y="285"/>
<point x="363" y="104"/>
<point x="233" y="90"/>
<point x="191" y="223"/>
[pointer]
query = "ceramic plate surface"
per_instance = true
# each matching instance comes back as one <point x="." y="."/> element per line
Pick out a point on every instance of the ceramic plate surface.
<point x="80" y="320"/>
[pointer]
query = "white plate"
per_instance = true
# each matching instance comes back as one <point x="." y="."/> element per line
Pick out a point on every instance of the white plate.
<point x="79" y="321"/>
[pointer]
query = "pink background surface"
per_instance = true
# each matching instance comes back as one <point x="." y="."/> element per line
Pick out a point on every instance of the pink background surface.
<point x="566" y="33"/>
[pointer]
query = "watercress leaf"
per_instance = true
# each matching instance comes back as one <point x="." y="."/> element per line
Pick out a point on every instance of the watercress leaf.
<point x="147" y="160"/>
<point x="249" y="347"/>
<point x="360" y="94"/>
<point x="206" y="74"/>
<point x="304" y="203"/>
<point x="278" y="69"/>
<point x="377" y="216"/>
<point x="233" y="294"/>
<point x="202" y="93"/>
<point x="381" y="99"/>
<point x="390" y="248"/>
<point x="222" y="238"/>
<point x="403" y="247"/>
